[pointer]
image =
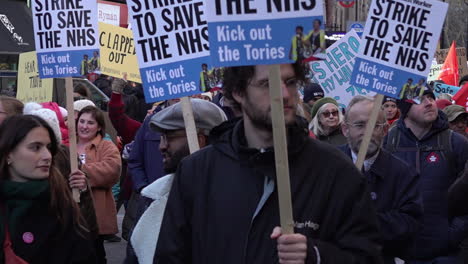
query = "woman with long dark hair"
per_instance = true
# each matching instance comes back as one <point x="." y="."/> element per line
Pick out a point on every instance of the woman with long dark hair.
<point x="39" y="221"/>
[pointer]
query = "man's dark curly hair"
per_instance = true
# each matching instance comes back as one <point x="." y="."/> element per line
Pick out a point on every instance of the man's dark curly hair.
<point x="236" y="79"/>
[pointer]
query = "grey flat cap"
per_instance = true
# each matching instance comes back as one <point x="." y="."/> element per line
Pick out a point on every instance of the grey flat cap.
<point x="206" y="114"/>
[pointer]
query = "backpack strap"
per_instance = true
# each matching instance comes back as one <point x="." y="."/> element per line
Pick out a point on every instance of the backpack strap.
<point x="444" y="139"/>
<point x="393" y="142"/>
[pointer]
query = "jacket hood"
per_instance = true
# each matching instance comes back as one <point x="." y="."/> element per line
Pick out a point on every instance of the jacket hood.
<point x="229" y="138"/>
<point x="439" y="125"/>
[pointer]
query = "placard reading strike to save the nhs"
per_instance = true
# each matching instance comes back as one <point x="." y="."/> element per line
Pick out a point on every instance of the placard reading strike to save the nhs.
<point x="398" y="45"/>
<point x="171" y="38"/>
<point x="66" y="37"/>
<point x="263" y="31"/>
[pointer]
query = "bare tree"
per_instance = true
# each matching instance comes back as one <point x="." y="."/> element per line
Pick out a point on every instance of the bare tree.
<point x="456" y="24"/>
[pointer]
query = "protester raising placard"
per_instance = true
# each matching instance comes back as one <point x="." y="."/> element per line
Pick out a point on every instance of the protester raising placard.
<point x="66" y="37"/>
<point x="398" y="45"/>
<point x="264" y="32"/>
<point x="172" y="46"/>
<point x="118" y="55"/>
<point x="334" y="73"/>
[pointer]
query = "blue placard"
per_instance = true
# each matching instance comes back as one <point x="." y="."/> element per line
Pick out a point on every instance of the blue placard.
<point x="396" y="50"/>
<point x="441" y="88"/>
<point x="384" y="79"/>
<point x="172" y="47"/>
<point x="264" y="32"/>
<point x="66" y="37"/>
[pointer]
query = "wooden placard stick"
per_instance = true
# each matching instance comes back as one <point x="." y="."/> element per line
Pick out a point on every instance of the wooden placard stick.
<point x="189" y="121"/>
<point x="72" y="132"/>
<point x="281" y="150"/>
<point x="369" y="130"/>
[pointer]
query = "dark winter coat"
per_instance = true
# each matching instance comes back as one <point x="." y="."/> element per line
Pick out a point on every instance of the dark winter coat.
<point x="441" y="235"/>
<point x="145" y="161"/>
<point x="335" y="138"/>
<point x="458" y="195"/>
<point x="62" y="162"/>
<point x="223" y="204"/>
<point x="50" y="241"/>
<point x="395" y="190"/>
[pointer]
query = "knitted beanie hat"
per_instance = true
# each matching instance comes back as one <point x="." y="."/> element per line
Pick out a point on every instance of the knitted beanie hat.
<point x="63" y="111"/>
<point x="80" y="104"/>
<point x="312" y="90"/>
<point x="51" y="118"/>
<point x="320" y="103"/>
<point x="31" y="106"/>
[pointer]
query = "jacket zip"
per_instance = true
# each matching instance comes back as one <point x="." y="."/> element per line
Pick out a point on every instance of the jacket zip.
<point x="268" y="188"/>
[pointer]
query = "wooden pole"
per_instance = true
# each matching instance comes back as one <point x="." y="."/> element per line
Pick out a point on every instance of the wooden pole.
<point x="281" y="150"/>
<point x="72" y="132"/>
<point x="369" y="130"/>
<point x="189" y="121"/>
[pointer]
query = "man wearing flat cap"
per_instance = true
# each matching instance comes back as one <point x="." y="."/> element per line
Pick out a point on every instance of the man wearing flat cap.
<point x="169" y="122"/>
<point x="223" y="206"/>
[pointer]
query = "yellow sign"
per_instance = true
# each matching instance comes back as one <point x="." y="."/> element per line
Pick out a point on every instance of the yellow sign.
<point x="118" y="55"/>
<point x="31" y="88"/>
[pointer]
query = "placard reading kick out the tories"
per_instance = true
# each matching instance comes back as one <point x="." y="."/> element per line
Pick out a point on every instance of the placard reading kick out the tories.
<point x="171" y="39"/>
<point x="66" y="37"/>
<point x="263" y="31"/>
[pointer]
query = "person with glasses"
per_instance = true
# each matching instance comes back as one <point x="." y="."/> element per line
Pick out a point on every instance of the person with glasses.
<point x="223" y="205"/>
<point x="390" y="109"/>
<point x="169" y="122"/>
<point x="326" y="121"/>
<point x="393" y="184"/>
<point x="9" y="106"/>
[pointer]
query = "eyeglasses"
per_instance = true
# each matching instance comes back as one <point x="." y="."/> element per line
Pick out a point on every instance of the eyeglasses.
<point x="166" y="138"/>
<point x="362" y="125"/>
<point x="328" y="113"/>
<point x="289" y="83"/>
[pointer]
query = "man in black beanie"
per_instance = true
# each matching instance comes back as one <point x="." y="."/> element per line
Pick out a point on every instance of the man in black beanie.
<point x="423" y="139"/>
<point x="312" y="93"/>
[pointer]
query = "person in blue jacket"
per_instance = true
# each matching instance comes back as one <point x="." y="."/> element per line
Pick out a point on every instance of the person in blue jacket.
<point x="393" y="184"/>
<point x="422" y="138"/>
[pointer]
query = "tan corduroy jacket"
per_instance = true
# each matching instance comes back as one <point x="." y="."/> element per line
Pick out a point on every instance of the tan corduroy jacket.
<point x="102" y="167"/>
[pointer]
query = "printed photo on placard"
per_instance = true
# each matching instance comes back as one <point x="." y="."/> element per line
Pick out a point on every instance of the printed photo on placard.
<point x="398" y="44"/>
<point x="265" y="32"/>
<point x="66" y="37"/>
<point x="171" y="40"/>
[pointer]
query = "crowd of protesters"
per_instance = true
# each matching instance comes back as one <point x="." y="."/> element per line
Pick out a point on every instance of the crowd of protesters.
<point x="408" y="204"/>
